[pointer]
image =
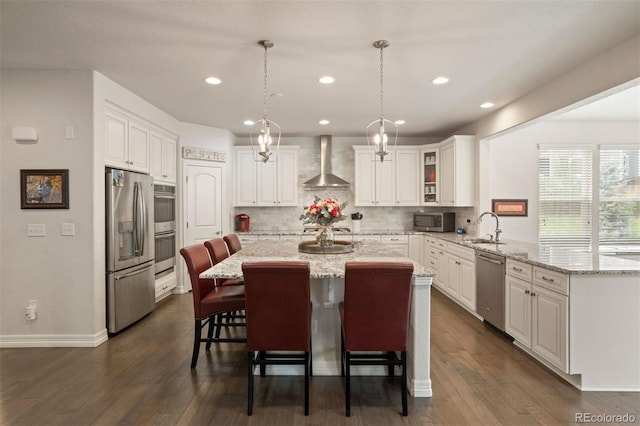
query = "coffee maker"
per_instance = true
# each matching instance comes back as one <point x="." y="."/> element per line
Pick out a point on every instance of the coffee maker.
<point x="242" y="222"/>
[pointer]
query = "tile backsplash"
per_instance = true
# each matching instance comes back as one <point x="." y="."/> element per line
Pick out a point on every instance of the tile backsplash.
<point x="374" y="218"/>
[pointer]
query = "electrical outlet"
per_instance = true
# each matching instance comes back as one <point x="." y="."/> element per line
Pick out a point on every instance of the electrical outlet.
<point x="31" y="311"/>
<point x="68" y="229"/>
<point x="36" y="230"/>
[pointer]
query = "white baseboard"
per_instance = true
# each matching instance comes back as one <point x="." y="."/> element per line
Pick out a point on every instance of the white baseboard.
<point x="420" y="388"/>
<point x="54" y="340"/>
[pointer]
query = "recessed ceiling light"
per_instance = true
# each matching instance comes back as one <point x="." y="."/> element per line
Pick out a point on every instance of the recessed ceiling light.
<point x="327" y="79"/>
<point x="486" y="105"/>
<point x="212" y="80"/>
<point x="323" y="122"/>
<point x="248" y="122"/>
<point x="399" y="122"/>
<point x="440" y="80"/>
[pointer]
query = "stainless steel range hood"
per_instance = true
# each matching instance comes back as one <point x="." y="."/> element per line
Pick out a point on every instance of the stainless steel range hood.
<point x="326" y="179"/>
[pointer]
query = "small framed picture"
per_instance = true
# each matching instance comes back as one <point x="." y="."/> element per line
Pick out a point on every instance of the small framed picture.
<point x="44" y="189"/>
<point x="509" y="207"/>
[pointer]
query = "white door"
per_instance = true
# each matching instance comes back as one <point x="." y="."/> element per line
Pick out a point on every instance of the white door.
<point x="202" y="207"/>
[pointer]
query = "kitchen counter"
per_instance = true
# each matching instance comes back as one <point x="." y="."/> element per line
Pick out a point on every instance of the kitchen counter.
<point x="562" y="259"/>
<point x="566" y="260"/>
<point x="322" y="265"/>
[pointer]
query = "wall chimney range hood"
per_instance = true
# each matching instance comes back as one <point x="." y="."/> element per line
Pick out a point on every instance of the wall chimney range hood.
<point x="326" y="179"/>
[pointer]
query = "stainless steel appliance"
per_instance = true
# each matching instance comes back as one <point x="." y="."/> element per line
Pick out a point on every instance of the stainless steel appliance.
<point x="434" y="221"/>
<point x="164" y="208"/>
<point x="130" y="248"/>
<point x="490" y="270"/>
<point x="164" y="201"/>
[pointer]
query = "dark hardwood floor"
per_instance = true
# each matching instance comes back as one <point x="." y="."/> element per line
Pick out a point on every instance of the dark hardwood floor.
<point x="142" y="376"/>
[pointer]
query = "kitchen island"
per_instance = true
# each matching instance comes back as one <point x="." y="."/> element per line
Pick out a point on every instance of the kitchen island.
<point x="327" y="290"/>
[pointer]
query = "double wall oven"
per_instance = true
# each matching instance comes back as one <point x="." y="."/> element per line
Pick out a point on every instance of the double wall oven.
<point x="164" y="200"/>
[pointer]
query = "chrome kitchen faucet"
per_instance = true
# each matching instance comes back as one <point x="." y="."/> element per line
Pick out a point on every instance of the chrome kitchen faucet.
<point x="498" y="230"/>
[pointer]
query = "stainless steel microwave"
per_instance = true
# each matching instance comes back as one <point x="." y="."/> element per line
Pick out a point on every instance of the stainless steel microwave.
<point x="434" y="221"/>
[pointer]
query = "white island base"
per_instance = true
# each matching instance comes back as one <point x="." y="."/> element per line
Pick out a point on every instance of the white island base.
<point x="326" y="293"/>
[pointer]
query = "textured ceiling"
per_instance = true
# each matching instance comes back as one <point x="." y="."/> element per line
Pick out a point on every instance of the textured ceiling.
<point x="162" y="50"/>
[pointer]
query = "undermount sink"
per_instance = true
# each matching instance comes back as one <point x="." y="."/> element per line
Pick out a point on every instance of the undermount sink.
<point x="482" y="241"/>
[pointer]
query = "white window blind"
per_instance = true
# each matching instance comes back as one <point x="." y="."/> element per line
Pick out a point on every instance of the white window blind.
<point x="565" y="197"/>
<point x="619" y="197"/>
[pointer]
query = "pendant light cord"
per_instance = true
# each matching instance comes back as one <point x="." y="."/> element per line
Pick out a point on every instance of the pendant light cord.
<point x="264" y="104"/>
<point x="381" y="87"/>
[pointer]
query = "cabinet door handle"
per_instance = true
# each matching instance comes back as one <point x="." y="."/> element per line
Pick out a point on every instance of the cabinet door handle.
<point x="457" y="263"/>
<point x="527" y="292"/>
<point x="547" y="279"/>
<point x="533" y="294"/>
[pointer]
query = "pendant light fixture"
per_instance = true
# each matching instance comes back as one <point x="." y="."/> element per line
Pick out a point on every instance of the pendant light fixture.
<point x="269" y="130"/>
<point x="377" y="131"/>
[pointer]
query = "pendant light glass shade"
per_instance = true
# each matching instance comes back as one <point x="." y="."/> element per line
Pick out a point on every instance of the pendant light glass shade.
<point x="382" y="134"/>
<point x="269" y="136"/>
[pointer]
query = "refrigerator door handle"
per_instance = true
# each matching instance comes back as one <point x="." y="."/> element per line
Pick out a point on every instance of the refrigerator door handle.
<point x="130" y="274"/>
<point x="137" y="215"/>
<point x="143" y="218"/>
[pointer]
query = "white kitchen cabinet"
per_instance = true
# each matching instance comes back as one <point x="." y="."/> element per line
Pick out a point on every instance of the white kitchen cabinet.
<point x="416" y="248"/>
<point x="126" y="143"/>
<point x="287" y="177"/>
<point x="430" y="176"/>
<point x="274" y="183"/>
<point x="245" y="177"/>
<point x="461" y="277"/>
<point x="374" y="181"/>
<point x="366" y="237"/>
<point x="398" y="243"/>
<point x="441" y="278"/>
<point x="247" y="240"/>
<point x="407" y="176"/>
<point x="165" y="285"/>
<point x="457" y="171"/>
<point x="290" y="237"/>
<point x="162" y="158"/>
<point x="393" y="182"/>
<point x="431" y="258"/>
<point x="536" y="306"/>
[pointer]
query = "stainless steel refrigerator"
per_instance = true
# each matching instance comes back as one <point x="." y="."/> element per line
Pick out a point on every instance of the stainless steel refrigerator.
<point x="130" y="248"/>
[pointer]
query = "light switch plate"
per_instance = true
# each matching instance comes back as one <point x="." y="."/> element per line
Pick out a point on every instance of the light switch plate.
<point x="36" y="230"/>
<point x="68" y="229"/>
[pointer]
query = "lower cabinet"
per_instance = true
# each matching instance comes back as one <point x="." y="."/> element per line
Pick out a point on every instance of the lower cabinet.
<point x="461" y="275"/>
<point x="537" y="315"/>
<point x="399" y="243"/>
<point x="246" y="240"/>
<point x="165" y="285"/>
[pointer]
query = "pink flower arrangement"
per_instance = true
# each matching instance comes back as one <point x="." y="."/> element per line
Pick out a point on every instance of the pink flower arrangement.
<point x="323" y="212"/>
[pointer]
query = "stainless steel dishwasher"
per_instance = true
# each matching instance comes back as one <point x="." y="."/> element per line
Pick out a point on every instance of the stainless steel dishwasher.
<point x="490" y="270"/>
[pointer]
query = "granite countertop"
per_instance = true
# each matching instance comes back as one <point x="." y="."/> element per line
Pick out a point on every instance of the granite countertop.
<point x="322" y="265"/>
<point x="562" y="259"/>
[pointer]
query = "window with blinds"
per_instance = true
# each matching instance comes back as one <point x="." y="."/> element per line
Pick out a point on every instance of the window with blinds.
<point x="565" y="197"/>
<point x="619" y="197"/>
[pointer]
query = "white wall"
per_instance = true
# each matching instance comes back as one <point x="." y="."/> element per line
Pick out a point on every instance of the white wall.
<point x="513" y="164"/>
<point x="57" y="271"/>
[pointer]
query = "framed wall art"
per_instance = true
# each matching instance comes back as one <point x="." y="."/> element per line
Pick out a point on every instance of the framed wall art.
<point x="509" y="207"/>
<point x="44" y="189"/>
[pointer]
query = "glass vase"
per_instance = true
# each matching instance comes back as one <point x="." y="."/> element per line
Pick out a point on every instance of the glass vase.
<point x="324" y="238"/>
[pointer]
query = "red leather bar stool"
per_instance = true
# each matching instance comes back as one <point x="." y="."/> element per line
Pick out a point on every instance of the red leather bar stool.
<point x="375" y="318"/>
<point x="209" y="301"/>
<point x="218" y="251"/>
<point x="233" y="243"/>
<point x="278" y="310"/>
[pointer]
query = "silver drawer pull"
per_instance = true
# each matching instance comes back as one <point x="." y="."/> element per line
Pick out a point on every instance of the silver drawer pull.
<point x="547" y="279"/>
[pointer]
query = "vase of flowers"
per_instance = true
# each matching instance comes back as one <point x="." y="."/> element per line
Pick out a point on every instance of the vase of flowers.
<point x="324" y="212"/>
